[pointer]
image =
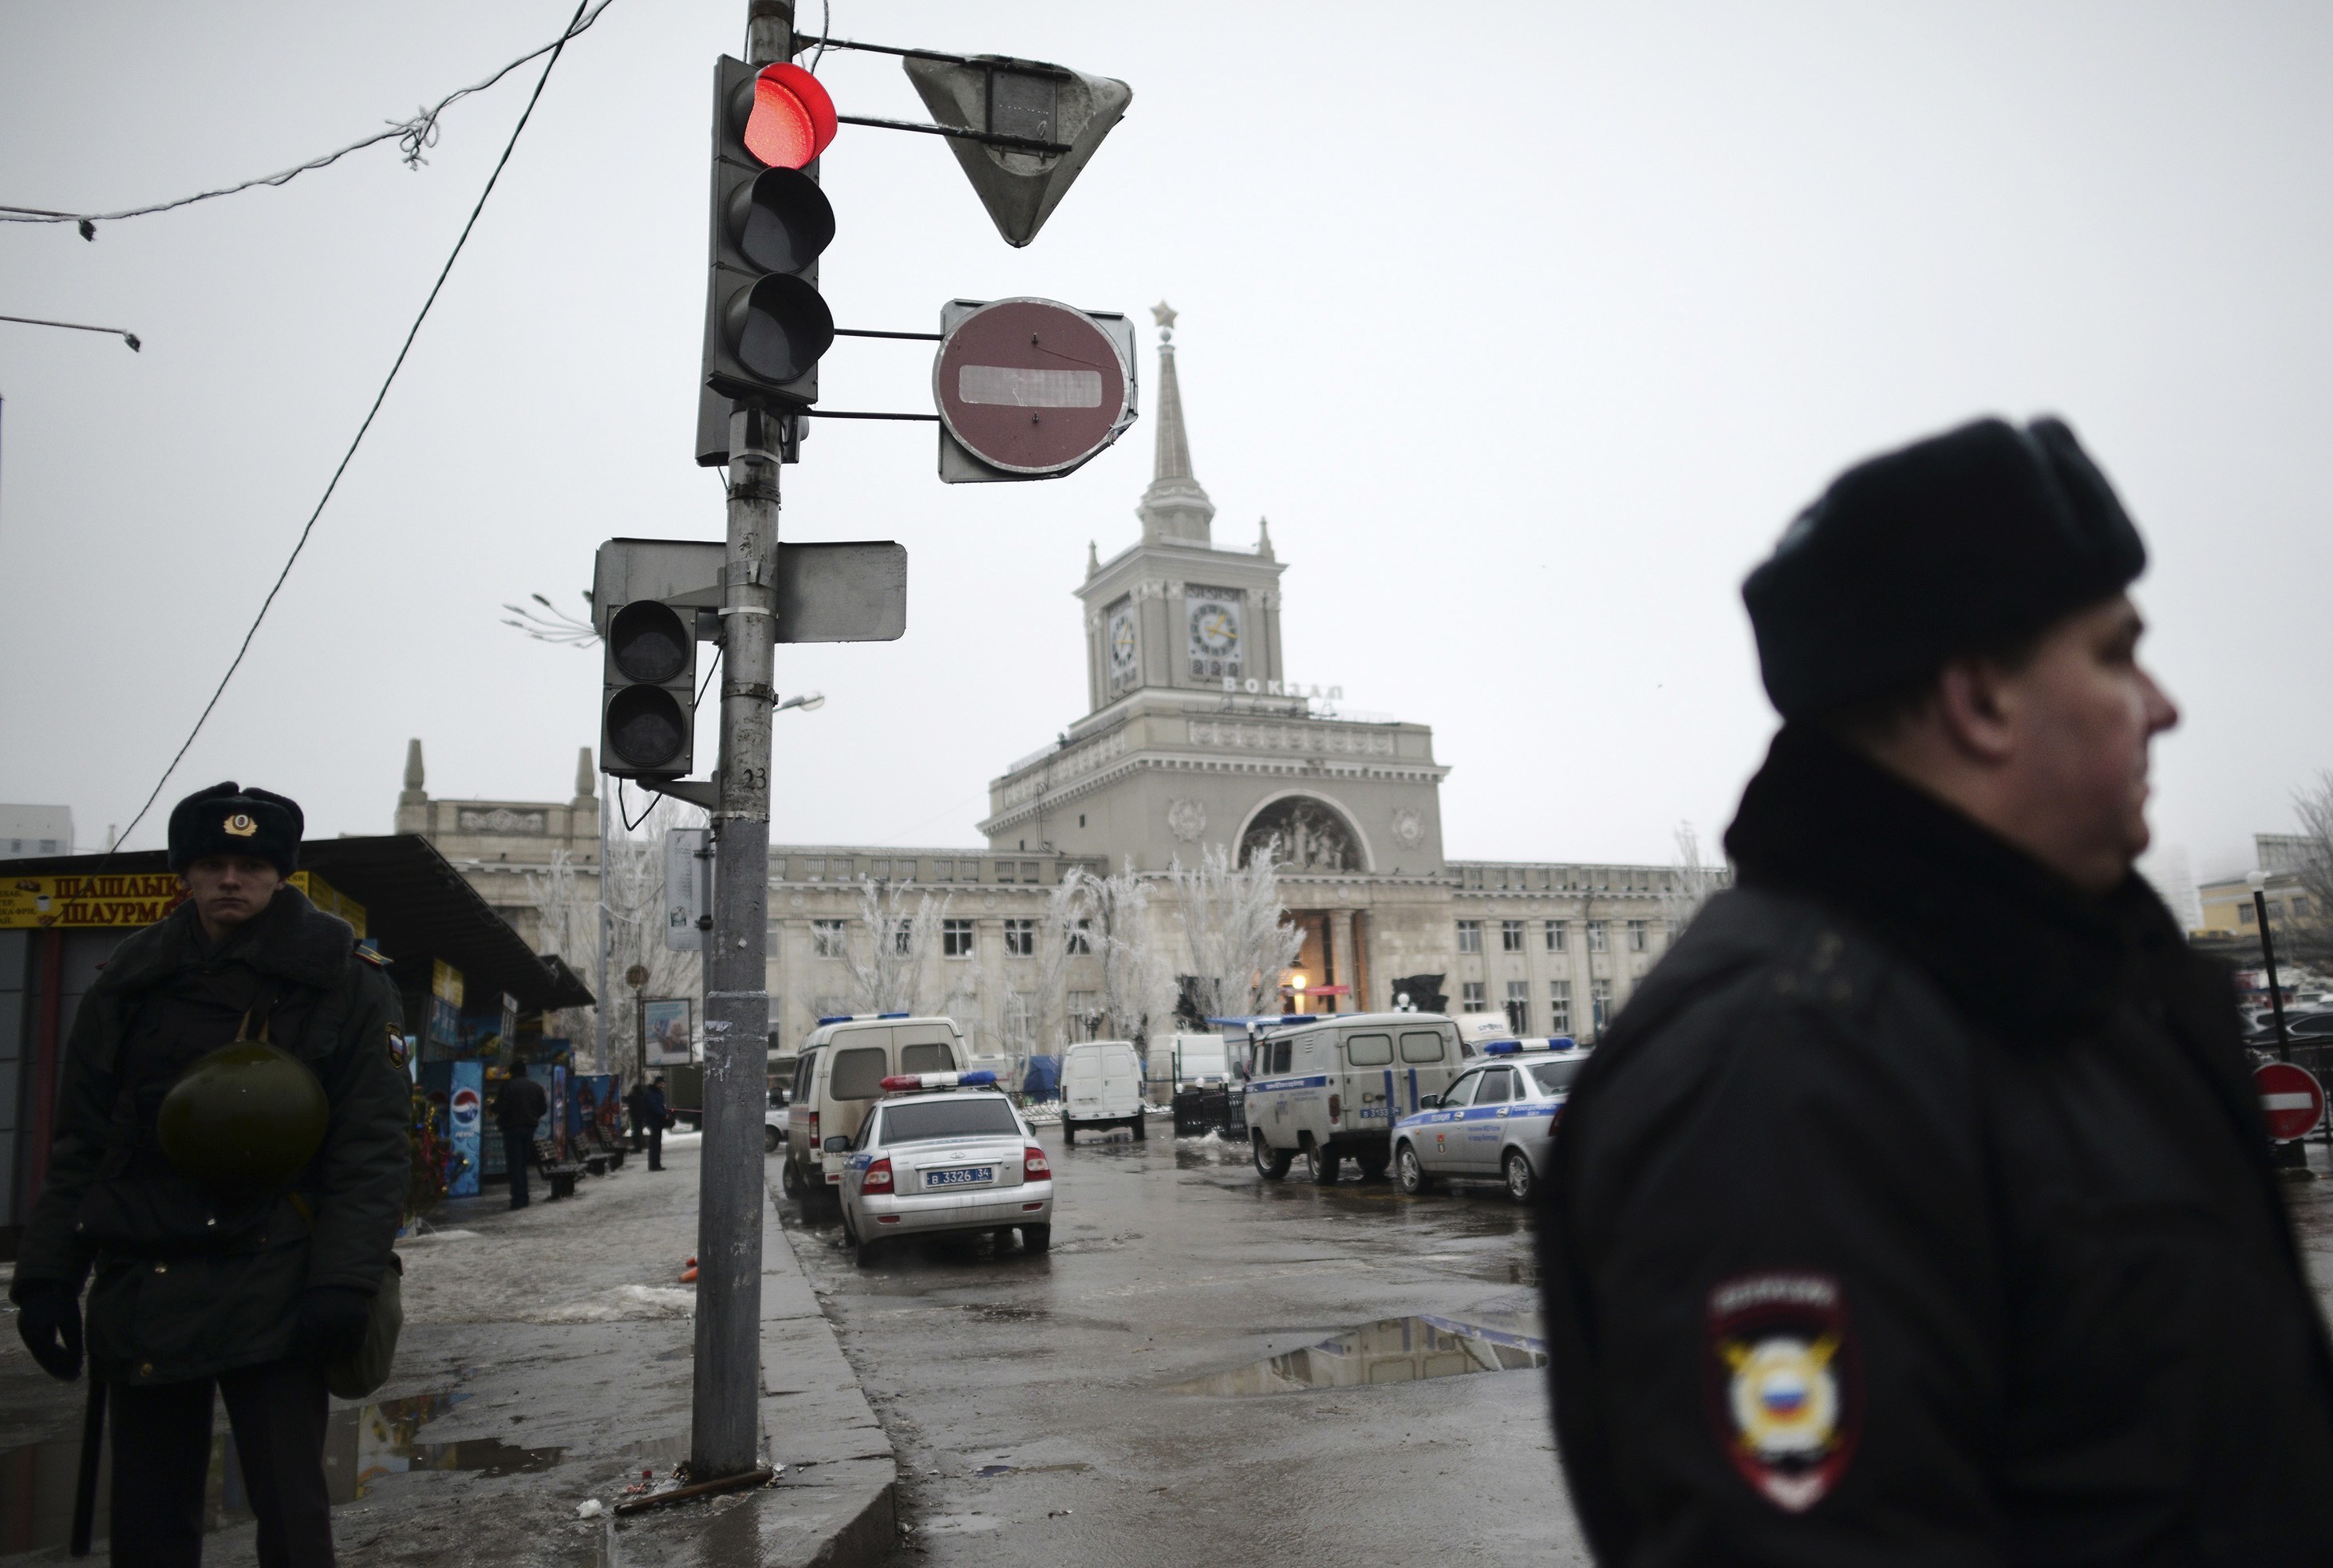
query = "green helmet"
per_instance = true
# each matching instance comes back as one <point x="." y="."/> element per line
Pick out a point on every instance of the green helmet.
<point x="247" y="1116"/>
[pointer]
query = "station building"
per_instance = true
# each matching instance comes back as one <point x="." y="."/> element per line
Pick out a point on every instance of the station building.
<point x="1196" y="735"/>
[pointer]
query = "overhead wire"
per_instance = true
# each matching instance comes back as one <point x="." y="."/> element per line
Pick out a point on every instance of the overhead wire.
<point x="414" y="135"/>
<point x="379" y="398"/>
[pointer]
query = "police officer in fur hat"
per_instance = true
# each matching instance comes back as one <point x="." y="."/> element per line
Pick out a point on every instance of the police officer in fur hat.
<point x="1919" y="1206"/>
<point x="227" y="1175"/>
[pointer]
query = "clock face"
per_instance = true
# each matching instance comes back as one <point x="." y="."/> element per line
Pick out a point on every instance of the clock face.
<point x="1215" y="647"/>
<point x="1122" y="646"/>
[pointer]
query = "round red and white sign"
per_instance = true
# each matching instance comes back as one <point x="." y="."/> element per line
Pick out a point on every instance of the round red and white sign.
<point x="1031" y="386"/>
<point x="2292" y="1098"/>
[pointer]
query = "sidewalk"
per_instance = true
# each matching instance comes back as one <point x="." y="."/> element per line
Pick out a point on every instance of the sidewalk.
<point x="546" y="1359"/>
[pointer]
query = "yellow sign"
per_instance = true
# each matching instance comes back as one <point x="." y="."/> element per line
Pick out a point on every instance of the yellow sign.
<point x="131" y="899"/>
<point x="445" y="982"/>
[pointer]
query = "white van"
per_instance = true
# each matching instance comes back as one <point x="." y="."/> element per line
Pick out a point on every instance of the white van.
<point x="1101" y="1086"/>
<point x="840" y="1074"/>
<point x="1329" y="1090"/>
<point x="1182" y="1061"/>
<point x="1476" y="1030"/>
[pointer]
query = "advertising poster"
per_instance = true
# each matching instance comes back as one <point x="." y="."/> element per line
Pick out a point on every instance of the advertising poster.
<point x="669" y="1029"/>
<point x="465" y="1106"/>
<point x="558" y="1122"/>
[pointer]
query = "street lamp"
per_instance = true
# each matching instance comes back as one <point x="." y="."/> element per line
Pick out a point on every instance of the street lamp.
<point x="808" y="701"/>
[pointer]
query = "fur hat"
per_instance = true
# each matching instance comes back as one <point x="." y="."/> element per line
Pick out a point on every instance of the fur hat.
<point x="1962" y="543"/>
<point x="228" y="820"/>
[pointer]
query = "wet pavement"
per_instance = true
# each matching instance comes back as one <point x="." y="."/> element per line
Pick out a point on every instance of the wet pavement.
<point x="1206" y="1364"/>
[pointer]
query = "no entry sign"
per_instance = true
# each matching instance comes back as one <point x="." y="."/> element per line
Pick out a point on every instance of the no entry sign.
<point x="1031" y="386"/>
<point x="2292" y="1098"/>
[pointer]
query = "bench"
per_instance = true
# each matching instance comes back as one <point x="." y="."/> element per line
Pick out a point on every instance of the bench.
<point x="561" y="1174"/>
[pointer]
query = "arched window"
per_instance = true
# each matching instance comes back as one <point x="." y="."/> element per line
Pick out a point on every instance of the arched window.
<point x="1308" y="835"/>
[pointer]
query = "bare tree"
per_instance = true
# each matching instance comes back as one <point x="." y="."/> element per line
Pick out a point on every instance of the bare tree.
<point x="1231" y="922"/>
<point x="631" y="881"/>
<point x="1689" y="883"/>
<point x="2311" y="939"/>
<point x="890" y="971"/>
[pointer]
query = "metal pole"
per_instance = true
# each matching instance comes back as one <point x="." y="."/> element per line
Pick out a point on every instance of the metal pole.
<point x="725" y="1423"/>
<point x="607" y="933"/>
<point x="2275" y="991"/>
<point x="640" y="1033"/>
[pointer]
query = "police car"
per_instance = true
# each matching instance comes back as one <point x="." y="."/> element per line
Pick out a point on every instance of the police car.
<point x="943" y="1151"/>
<point x="1495" y="1122"/>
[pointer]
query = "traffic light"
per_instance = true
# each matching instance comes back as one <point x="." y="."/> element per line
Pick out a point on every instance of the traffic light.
<point x="766" y="323"/>
<point x="647" y="700"/>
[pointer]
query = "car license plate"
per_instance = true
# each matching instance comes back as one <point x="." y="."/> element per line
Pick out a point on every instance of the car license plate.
<point x="969" y="1176"/>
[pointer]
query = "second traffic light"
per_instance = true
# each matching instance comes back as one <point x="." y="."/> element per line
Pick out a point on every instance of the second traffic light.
<point x="766" y="323"/>
<point x="648" y="698"/>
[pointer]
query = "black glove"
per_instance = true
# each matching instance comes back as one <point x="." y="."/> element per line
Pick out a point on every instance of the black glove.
<point x="332" y="1319"/>
<point x="48" y="1314"/>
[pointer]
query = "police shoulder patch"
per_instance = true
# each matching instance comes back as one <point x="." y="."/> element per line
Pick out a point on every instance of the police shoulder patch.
<point x="1784" y="1383"/>
<point x="397" y="1050"/>
<point x="372" y="955"/>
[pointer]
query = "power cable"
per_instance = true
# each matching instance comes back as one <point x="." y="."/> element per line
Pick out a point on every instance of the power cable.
<point x="413" y="135"/>
<point x="379" y="398"/>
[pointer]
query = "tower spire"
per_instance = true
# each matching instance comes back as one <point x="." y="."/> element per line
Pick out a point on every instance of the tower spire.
<point x="1175" y="506"/>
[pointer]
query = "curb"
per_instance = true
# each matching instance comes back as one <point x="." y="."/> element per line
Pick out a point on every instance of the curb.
<point x="817" y="1422"/>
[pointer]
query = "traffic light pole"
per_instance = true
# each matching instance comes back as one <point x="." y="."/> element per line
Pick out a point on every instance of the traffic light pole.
<point x="725" y="1427"/>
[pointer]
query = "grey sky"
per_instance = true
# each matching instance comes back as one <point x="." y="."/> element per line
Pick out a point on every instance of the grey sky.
<point x="1527" y="326"/>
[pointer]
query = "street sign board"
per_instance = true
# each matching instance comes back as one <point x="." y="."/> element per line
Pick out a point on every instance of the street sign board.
<point x="1019" y="187"/>
<point x="687" y="887"/>
<point x="1031" y="387"/>
<point x="848" y="591"/>
<point x="2292" y="1098"/>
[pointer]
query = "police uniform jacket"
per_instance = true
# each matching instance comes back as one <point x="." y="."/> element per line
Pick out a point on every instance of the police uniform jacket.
<point x="187" y="1282"/>
<point x="1918" y="1209"/>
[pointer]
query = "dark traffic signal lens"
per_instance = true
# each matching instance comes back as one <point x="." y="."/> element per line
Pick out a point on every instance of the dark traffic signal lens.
<point x="782" y="221"/>
<point x="779" y="327"/>
<point x="648" y="642"/>
<point x="646" y="725"/>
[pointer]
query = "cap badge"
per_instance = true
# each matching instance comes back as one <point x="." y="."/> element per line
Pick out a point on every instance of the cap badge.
<point x="242" y="826"/>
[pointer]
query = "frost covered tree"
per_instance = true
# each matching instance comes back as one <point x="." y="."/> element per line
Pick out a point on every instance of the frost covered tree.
<point x="567" y="922"/>
<point x="1232" y="923"/>
<point x="1137" y="973"/>
<point x="1689" y="883"/>
<point x="1064" y="933"/>
<point x="892" y="967"/>
<point x="2312" y="940"/>
<point x="632" y="887"/>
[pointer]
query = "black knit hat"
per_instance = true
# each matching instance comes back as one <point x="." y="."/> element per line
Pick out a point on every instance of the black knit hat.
<point x="1962" y="543"/>
<point x="228" y="820"/>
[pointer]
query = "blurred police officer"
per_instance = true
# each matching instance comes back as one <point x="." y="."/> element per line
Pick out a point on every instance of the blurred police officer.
<point x="659" y="1116"/>
<point x="249" y="1285"/>
<point x="1919" y="1207"/>
<point x="519" y="1109"/>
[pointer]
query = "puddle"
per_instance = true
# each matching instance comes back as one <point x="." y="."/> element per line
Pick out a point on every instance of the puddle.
<point x="990" y="1472"/>
<point x="360" y="1447"/>
<point x="1390" y="1351"/>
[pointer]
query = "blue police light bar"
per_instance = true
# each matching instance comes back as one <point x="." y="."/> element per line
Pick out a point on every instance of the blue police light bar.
<point x="1503" y="1047"/>
<point x="1562" y="1043"/>
<point x="834" y="1018"/>
<point x="895" y="1015"/>
<point x="975" y="1080"/>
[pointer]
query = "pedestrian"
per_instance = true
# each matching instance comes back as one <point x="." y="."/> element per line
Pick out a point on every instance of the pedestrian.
<point x="241" y="1266"/>
<point x="658" y="1117"/>
<point x="519" y="1109"/>
<point x="636" y="1105"/>
<point x="1919" y="1207"/>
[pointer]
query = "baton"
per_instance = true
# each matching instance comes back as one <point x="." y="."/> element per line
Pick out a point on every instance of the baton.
<point x="92" y="1443"/>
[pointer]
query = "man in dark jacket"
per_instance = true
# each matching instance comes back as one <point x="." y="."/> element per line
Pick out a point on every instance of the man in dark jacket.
<point x="519" y="1109"/>
<point x="1919" y="1209"/>
<point x="658" y="1117"/>
<point x="636" y="1105"/>
<point x="199" y="1284"/>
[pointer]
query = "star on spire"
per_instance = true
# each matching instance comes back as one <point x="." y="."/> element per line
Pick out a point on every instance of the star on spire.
<point x="1163" y="314"/>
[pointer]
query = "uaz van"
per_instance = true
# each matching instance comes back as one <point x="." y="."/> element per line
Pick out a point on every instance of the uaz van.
<point x="839" y="1075"/>
<point x="1329" y="1090"/>
<point x="1101" y="1086"/>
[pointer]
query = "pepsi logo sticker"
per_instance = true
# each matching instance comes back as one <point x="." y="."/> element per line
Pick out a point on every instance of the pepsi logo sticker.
<point x="1785" y="1387"/>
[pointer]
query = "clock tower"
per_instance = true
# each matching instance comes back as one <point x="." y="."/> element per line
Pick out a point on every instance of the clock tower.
<point x="1195" y="733"/>
<point x="1175" y="609"/>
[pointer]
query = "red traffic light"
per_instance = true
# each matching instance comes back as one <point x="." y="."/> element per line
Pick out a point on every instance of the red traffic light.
<point x="793" y="118"/>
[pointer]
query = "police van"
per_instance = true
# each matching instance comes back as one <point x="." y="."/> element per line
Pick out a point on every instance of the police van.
<point x="1325" y="1090"/>
<point x="839" y="1074"/>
